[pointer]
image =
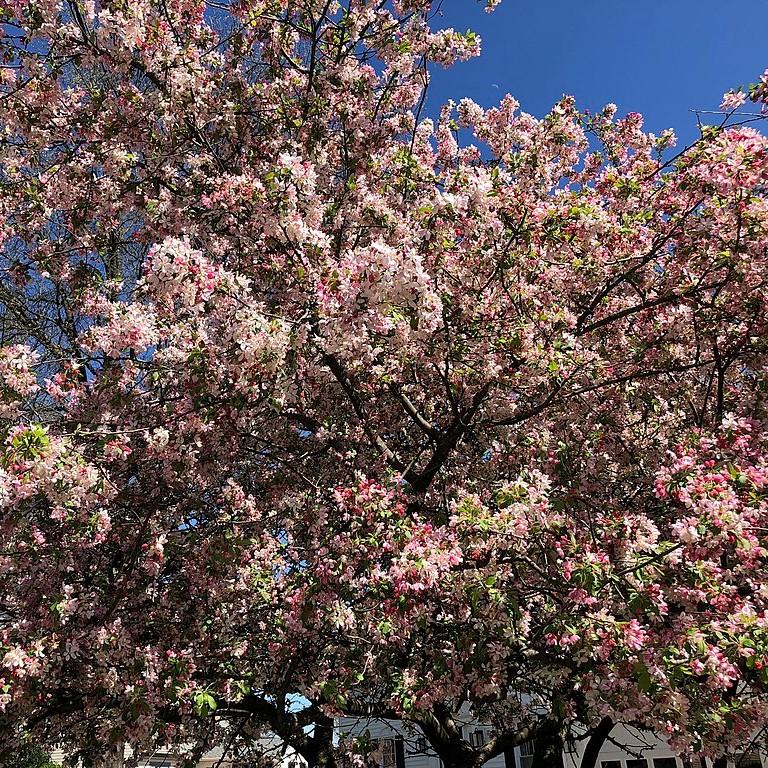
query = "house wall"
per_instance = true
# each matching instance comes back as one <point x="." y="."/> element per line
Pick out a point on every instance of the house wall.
<point x="416" y="754"/>
<point x="627" y="745"/>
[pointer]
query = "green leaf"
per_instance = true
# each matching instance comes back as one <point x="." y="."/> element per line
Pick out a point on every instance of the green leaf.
<point x="643" y="677"/>
<point x="204" y="703"/>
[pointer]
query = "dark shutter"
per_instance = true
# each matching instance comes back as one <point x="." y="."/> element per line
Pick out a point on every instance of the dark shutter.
<point x="399" y="752"/>
<point x="509" y="758"/>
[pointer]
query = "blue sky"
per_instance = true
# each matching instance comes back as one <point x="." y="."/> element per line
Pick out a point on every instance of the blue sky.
<point x="658" y="57"/>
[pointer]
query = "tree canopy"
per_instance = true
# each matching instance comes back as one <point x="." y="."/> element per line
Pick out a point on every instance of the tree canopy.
<point x="312" y="405"/>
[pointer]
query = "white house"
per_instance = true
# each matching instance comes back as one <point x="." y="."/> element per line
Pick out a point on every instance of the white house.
<point x="403" y="746"/>
<point x="399" y="746"/>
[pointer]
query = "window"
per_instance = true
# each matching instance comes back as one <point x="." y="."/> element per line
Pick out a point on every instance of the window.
<point x="477" y="737"/>
<point x="610" y="764"/>
<point x="526" y="754"/>
<point x="664" y="762"/>
<point x="388" y="755"/>
<point x="639" y="763"/>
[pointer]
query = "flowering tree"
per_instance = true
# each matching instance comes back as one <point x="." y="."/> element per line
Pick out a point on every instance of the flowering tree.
<point x="312" y="406"/>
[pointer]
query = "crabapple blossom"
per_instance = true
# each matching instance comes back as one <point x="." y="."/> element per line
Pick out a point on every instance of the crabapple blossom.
<point x="314" y="406"/>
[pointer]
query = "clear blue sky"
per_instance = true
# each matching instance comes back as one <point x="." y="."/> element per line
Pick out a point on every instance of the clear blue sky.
<point x="658" y="57"/>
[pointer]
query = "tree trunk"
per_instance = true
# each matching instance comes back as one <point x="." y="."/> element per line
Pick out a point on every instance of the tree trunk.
<point x="462" y="757"/>
<point x="595" y="743"/>
<point x="461" y="763"/>
<point x="325" y="754"/>
<point x="548" y="745"/>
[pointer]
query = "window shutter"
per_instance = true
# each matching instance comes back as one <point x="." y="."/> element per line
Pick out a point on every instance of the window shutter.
<point x="399" y="752"/>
